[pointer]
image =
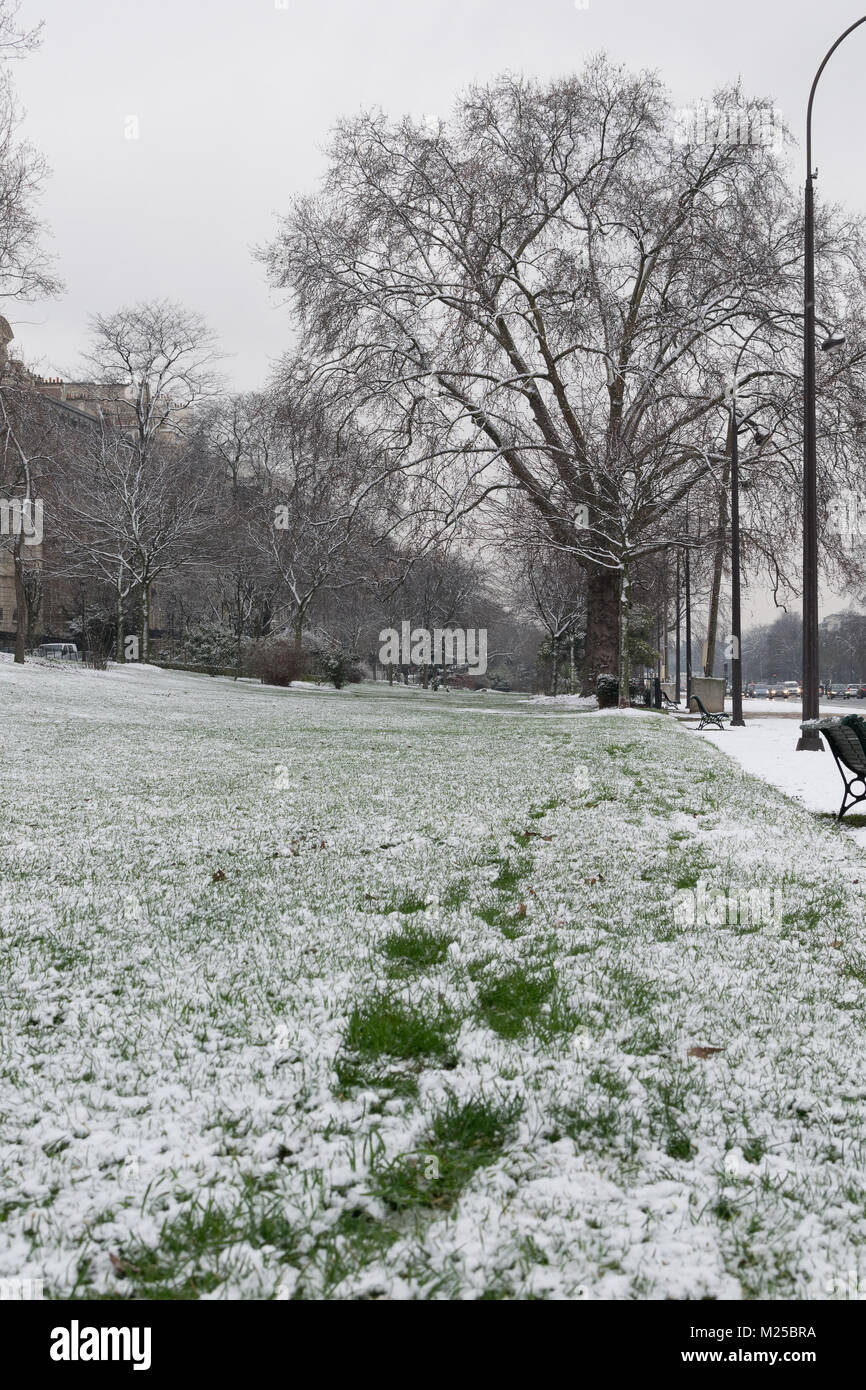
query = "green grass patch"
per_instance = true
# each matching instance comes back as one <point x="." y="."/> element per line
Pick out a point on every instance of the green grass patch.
<point x="510" y="874"/>
<point x="384" y="1027"/>
<point x="405" y="904"/>
<point x="463" y="1137"/>
<point x="415" y="946"/>
<point x="513" y="1002"/>
<point x="197" y="1248"/>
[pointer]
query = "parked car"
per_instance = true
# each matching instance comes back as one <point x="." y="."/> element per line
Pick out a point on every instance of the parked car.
<point x="58" y="651"/>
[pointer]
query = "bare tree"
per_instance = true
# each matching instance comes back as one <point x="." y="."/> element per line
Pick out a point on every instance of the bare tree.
<point x="240" y="433"/>
<point x="26" y="448"/>
<point x="311" y="513"/>
<point x="156" y="362"/>
<point x="25" y="268"/>
<point x="133" y="524"/>
<point x="554" y="586"/>
<point x="163" y="356"/>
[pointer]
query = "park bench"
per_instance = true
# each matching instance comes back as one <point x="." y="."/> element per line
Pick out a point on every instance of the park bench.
<point x="847" y="740"/>
<point x="714" y="720"/>
<point x="668" y="702"/>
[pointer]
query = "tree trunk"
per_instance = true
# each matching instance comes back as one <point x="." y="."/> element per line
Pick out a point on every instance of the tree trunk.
<point x="119" y="644"/>
<point x="665" y="618"/>
<point x="145" y="622"/>
<point x="602" y="629"/>
<point x="624" y="664"/>
<point x="688" y="566"/>
<point x="679" y="610"/>
<point x="240" y="628"/>
<point x="20" y="601"/>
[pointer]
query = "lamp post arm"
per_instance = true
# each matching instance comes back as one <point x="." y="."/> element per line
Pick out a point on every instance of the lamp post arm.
<point x="809" y="740"/>
<point x="827" y="56"/>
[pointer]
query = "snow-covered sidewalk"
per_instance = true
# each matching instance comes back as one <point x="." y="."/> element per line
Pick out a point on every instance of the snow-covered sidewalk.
<point x="766" y="748"/>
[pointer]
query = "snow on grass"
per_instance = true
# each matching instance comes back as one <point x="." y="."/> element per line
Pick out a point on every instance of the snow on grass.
<point x="564" y="701"/>
<point x="361" y="996"/>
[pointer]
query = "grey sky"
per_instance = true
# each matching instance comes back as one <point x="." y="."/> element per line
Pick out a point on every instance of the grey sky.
<point x="234" y="100"/>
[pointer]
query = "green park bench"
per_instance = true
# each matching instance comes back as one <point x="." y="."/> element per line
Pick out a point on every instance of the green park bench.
<point x="847" y="740"/>
<point x="713" y="720"/>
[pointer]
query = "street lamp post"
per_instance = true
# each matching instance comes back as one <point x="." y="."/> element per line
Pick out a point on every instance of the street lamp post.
<point x="679" y="631"/>
<point x="810" y="741"/>
<point x="737" y="720"/>
<point x="688" y="579"/>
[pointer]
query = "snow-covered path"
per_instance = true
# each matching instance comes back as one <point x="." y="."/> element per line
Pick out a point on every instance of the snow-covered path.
<point x="766" y="748"/>
<point x="357" y="995"/>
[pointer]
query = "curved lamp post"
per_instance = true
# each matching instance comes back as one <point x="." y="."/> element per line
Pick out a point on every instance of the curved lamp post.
<point x="811" y="742"/>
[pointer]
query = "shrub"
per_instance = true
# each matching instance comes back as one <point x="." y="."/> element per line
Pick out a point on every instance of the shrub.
<point x="210" y="644"/>
<point x="607" y="691"/>
<point x="278" y="663"/>
<point x="337" y="666"/>
<point x="461" y="681"/>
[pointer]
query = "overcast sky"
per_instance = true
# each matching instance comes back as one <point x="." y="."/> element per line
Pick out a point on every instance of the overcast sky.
<point x="234" y="99"/>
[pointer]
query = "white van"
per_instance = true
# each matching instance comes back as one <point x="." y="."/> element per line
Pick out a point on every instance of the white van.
<point x="58" y="651"/>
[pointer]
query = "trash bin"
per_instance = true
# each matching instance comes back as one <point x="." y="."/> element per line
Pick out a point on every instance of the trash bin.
<point x="711" y="691"/>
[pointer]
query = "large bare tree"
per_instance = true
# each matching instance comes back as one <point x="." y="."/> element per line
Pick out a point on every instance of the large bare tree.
<point x="548" y="292"/>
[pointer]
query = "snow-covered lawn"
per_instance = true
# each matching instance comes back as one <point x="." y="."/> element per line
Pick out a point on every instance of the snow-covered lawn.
<point x="372" y="994"/>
